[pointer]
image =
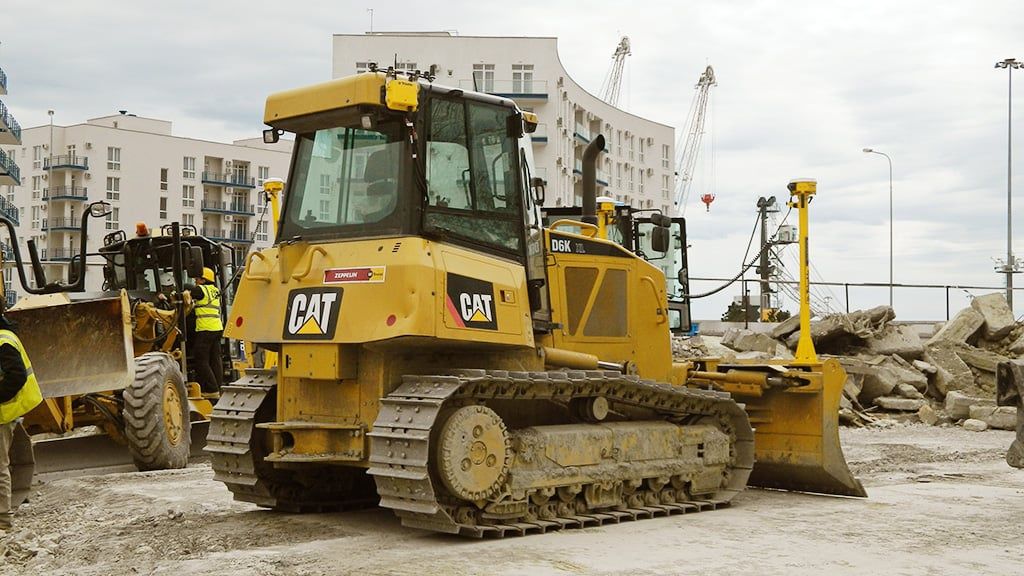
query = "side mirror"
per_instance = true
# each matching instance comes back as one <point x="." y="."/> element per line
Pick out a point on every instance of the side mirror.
<point x="683" y="276"/>
<point x="99" y="209"/>
<point x="659" y="219"/>
<point x="194" y="261"/>
<point x="660" y="239"/>
<point x="539" y="191"/>
<point x="271" y="136"/>
<point x="514" y="126"/>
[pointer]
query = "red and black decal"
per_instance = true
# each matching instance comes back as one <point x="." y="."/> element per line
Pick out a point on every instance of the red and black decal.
<point x="471" y="302"/>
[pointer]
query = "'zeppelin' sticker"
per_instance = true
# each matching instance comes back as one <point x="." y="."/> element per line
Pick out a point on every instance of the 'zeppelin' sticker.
<point x="361" y="275"/>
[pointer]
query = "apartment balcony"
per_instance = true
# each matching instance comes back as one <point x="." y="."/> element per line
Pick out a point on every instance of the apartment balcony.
<point x="582" y="133"/>
<point x="222" y="235"/>
<point x="540" y="135"/>
<point x="10" y="294"/>
<point x="66" y="162"/>
<point x="10" y="174"/>
<point x="60" y="254"/>
<point x="229" y="180"/>
<point x="75" y="193"/>
<point x="220" y="207"/>
<point x="10" y="130"/>
<point x="9" y="210"/>
<point x="8" y="254"/>
<point x="3" y="82"/>
<point x="601" y="176"/>
<point x="514" y="89"/>
<point x="62" y="223"/>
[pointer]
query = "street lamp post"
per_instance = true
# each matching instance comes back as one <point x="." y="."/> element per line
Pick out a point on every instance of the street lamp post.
<point x="871" y="151"/>
<point x="1010" y="64"/>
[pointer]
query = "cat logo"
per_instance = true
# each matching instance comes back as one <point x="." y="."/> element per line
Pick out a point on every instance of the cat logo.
<point x="470" y="302"/>
<point x="312" y="313"/>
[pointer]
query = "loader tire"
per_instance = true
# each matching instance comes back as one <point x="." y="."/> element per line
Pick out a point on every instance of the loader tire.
<point x="156" y="414"/>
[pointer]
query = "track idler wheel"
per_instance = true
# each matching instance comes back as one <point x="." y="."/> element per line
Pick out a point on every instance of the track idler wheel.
<point x="474" y="453"/>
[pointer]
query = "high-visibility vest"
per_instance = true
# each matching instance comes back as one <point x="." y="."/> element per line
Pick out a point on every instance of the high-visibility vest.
<point x="208" y="310"/>
<point x="30" y="395"/>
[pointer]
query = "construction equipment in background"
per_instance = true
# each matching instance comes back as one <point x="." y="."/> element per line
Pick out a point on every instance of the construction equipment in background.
<point x="1010" y="392"/>
<point x="689" y="144"/>
<point x="116" y="359"/>
<point x="494" y="376"/>
<point x="612" y="85"/>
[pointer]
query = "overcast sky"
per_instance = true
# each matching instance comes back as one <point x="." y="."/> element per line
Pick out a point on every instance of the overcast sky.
<point x="803" y="87"/>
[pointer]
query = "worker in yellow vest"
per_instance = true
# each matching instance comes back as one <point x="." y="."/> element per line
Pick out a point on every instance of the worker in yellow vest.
<point x="209" y="328"/>
<point x="19" y="394"/>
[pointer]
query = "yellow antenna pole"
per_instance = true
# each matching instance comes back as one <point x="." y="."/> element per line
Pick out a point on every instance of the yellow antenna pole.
<point x="801" y="190"/>
<point x="273" y="187"/>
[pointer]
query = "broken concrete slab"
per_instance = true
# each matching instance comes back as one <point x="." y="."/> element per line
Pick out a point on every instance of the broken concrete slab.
<point x="960" y="329"/>
<point x="928" y="415"/>
<point x="900" y="404"/>
<point x="973" y="425"/>
<point x="924" y="367"/>
<point x="980" y="359"/>
<point x="906" y="372"/>
<point x="998" y="317"/>
<point x="953" y="373"/>
<point x="899" y="340"/>
<point x="787" y="327"/>
<point x="908" y="391"/>
<point x="836" y="333"/>
<point x="997" y="417"/>
<point x="1017" y="346"/>
<point x="754" y="342"/>
<point x="958" y="405"/>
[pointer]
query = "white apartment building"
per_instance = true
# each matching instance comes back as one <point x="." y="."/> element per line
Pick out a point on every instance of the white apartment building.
<point x="147" y="175"/>
<point x="638" y="166"/>
<point x="10" y="175"/>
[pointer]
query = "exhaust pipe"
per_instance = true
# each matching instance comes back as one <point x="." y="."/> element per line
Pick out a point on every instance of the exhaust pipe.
<point x="595" y="147"/>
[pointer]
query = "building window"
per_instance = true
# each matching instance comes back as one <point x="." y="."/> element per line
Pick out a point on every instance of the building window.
<point x="113" y="158"/>
<point x="362" y="67"/>
<point x="262" y="174"/>
<point x="163" y="179"/>
<point x="113" y="188"/>
<point x="188" y="196"/>
<point x="642" y="174"/>
<point x="522" y="78"/>
<point x="261" y="231"/>
<point x="71" y="149"/>
<point x="618" y="142"/>
<point x="325" y="210"/>
<point x="664" y="186"/>
<point x="188" y="168"/>
<point x="35" y="217"/>
<point x="37" y="157"/>
<point x="325" y="184"/>
<point x="632" y="172"/>
<point x="483" y="77"/>
<point x="163" y="208"/>
<point x="642" y="143"/>
<point x="113" y="219"/>
<point x="664" y="156"/>
<point x="188" y="219"/>
<point x="631" y="140"/>
<point x="618" y="175"/>
<point x="36" y="186"/>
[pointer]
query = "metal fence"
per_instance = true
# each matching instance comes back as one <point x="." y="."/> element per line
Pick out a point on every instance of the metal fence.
<point x="750" y="286"/>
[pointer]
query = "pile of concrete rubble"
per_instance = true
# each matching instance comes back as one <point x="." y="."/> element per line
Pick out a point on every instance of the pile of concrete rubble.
<point x="944" y="374"/>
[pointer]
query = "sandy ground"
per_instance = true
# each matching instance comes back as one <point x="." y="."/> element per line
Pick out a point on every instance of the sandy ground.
<point x="942" y="501"/>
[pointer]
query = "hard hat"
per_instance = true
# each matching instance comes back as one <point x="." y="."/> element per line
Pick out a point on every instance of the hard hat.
<point x="208" y="275"/>
<point x="166" y="279"/>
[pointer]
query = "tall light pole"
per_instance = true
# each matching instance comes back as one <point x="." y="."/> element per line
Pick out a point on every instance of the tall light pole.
<point x="871" y="151"/>
<point x="1010" y="64"/>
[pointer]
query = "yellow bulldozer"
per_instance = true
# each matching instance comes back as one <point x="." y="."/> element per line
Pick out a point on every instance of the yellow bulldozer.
<point x="116" y="360"/>
<point x="443" y="352"/>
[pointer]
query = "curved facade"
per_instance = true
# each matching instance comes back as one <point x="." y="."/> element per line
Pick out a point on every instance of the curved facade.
<point x="638" y="165"/>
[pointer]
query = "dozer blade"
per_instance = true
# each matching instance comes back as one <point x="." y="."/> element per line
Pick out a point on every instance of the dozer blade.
<point x="796" y="437"/>
<point x="77" y="347"/>
<point x="95" y="454"/>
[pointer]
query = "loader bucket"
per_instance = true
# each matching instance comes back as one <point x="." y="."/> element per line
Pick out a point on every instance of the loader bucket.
<point x="796" y="437"/>
<point x="77" y="347"/>
<point x="22" y="466"/>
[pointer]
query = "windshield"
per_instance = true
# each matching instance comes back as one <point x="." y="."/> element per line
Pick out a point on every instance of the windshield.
<point x="344" y="179"/>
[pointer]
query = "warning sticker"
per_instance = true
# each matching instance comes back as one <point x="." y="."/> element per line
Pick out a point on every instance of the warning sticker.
<point x="361" y="275"/>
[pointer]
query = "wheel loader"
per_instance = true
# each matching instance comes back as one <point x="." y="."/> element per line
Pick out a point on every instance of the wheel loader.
<point x="115" y="359"/>
<point x="444" y="353"/>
